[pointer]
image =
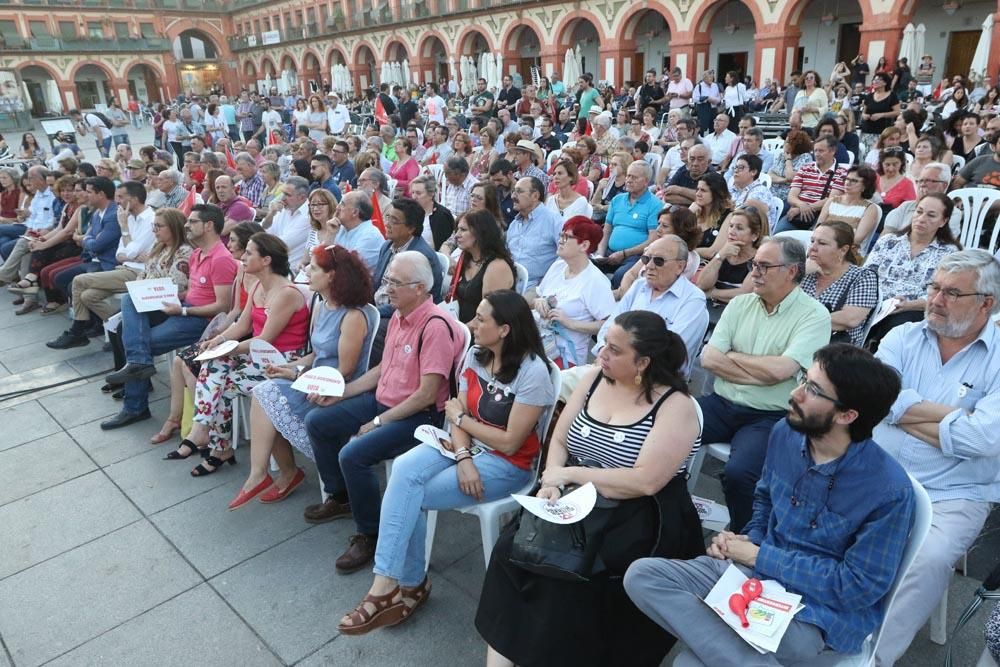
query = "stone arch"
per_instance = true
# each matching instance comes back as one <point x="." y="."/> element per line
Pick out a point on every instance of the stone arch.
<point x="468" y="36"/>
<point x="146" y="82"/>
<point x="515" y="31"/>
<point x="249" y="69"/>
<point x="395" y="50"/>
<point x="53" y="72"/>
<point x="564" y="30"/>
<point x="157" y="69"/>
<point x="425" y="47"/>
<point x="268" y="71"/>
<point x="210" y="45"/>
<point x="215" y="34"/>
<point x="333" y="59"/>
<point x="356" y="53"/>
<point x="633" y="16"/>
<point x="791" y="14"/>
<point x="287" y="62"/>
<point x="84" y="63"/>
<point x="702" y="20"/>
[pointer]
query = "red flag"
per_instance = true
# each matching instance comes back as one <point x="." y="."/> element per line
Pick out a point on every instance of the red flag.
<point x="273" y="138"/>
<point x="230" y="162"/>
<point x="377" y="214"/>
<point x="380" y="115"/>
<point x="189" y="201"/>
<point x="588" y="128"/>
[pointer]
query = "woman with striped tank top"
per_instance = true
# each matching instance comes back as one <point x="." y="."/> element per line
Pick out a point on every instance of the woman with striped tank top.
<point x="632" y="429"/>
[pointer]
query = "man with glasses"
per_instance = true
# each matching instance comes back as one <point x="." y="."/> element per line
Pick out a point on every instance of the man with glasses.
<point x="533" y="234"/>
<point x="406" y="389"/>
<point x="934" y="178"/>
<point x="547" y="141"/>
<point x="943" y="427"/>
<point x="145" y="335"/>
<point x="680" y="189"/>
<point x="357" y="233"/>
<point x="831" y="517"/>
<point x="761" y="342"/>
<point x="404" y="226"/>
<point x="342" y="168"/>
<point x="630" y="224"/>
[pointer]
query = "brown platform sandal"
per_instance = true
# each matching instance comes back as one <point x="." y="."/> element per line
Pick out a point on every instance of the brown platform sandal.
<point x="414" y="597"/>
<point x="373" y="612"/>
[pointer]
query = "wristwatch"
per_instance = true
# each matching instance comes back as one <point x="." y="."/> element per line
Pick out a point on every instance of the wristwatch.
<point x="184" y="311"/>
<point x="377" y="421"/>
<point x="458" y="419"/>
<point x="298" y="371"/>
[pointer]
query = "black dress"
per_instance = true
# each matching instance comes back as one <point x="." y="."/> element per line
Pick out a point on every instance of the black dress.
<point x="538" y="621"/>
<point x="874" y="106"/>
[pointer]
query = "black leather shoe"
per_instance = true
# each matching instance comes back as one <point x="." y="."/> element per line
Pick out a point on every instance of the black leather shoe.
<point x="94" y="332"/>
<point x="68" y="340"/>
<point x="124" y="419"/>
<point x="131" y="372"/>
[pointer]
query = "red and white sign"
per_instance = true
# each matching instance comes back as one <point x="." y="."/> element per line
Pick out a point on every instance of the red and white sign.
<point x="322" y="380"/>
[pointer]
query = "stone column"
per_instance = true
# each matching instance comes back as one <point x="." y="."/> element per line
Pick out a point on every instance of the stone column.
<point x="689" y="51"/>
<point x="775" y="53"/>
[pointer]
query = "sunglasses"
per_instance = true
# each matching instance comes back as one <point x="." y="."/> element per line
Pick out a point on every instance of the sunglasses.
<point x="658" y="262"/>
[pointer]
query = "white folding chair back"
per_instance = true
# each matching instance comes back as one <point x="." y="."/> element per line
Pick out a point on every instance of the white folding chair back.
<point x="976" y="203"/>
<point x="655" y="160"/>
<point x="699" y="457"/>
<point x="551" y="159"/>
<point x="921" y="527"/>
<point x="774" y="144"/>
<point x="909" y="161"/>
<point x="392" y="187"/>
<point x="521" y="279"/>
<point x="957" y="162"/>
<point x="803" y="236"/>
<point x="766" y="180"/>
<point x="851" y="157"/>
<point x="445" y="263"/>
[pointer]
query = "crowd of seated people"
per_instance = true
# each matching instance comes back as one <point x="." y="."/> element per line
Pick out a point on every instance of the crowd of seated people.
<point x="646" y="251"/>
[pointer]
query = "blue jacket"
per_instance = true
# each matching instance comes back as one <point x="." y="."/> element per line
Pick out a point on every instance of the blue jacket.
<point x="420" y="245"/>
<point x="101" y="241"/>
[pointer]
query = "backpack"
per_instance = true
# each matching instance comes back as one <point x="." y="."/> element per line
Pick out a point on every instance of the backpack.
<point x="104" y="119"/>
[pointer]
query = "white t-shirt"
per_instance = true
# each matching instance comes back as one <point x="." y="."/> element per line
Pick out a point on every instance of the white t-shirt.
<point x="338" y="118"/>
<point x="586" y="297"/>
<point x="435" y="108"/>
<point x="170" y="128"/>
<point x="271" y="120"/>
<point x="98" y="127"/>
<point x="580" y="206"/>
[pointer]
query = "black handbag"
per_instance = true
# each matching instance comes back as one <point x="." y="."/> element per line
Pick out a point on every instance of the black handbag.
<point x="568" y="552"/>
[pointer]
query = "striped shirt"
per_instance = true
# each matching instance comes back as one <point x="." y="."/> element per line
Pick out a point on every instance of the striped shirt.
<point x="613" y="445"/>
<point x="811" y="182"/>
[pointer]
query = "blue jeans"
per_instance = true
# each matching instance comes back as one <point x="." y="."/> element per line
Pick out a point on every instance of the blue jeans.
<point x="104" y="146"/>
<point x="422" y="479"/>
<point x="747" y="431"/>
<point x="144" y="339"/>
<point x="9" y="234"/>
<point x="347" y="466"/>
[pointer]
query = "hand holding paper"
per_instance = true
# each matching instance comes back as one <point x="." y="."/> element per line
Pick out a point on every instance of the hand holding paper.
<point x="220" y="350"/>
<point x="322" y="380"/>
<point x="264" y="354"/>
<point x="571" y="508"/>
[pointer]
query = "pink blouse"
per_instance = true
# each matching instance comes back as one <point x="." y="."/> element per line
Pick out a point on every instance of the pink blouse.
<point x="404" y="173"/>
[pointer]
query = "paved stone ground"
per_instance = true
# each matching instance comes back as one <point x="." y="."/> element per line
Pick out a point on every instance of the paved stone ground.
<point x="111" y="556"/>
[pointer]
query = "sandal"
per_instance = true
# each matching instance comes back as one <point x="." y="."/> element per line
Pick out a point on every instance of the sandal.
<point x="53" y="308"/>
<point x="200" y="470"/>
<point x="167" y="432"/>
<point x="26" y="286"/>
<point x="414" y="597"/>
<point x="27" y="307"/>
<point x="176" y="455"/>
<point x="373" y="612"/>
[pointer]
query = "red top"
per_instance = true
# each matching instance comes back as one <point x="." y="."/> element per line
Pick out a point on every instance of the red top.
<point x="9" y="200"/>
<point x="208" y="269"/>
<point x="293" y="336"/>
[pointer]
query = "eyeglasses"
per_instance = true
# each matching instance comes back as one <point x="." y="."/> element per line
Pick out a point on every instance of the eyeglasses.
<point x="762" y="269"/>
<point x="389" y="283"/>
<point x="318" y="204"/>
<point x="567" y="237"/>
<point x="813" y="389"/>
<point x="951" y="295"/>
<point x="854" y="180"/>
<point x="657" y="261"/>
<point x="928" y="181"/>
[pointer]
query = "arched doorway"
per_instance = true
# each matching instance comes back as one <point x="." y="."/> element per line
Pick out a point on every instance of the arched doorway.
<point x="197" y="59"/>
<point x="524" y="51"/>
<point x="646" y="35"/>
<point x="288" y="79"/>
<point x="732" y="30"/>
<point x="311" y="74"/>
<point x="93" y="86"/>
<point x="582" y="33"/>
<point x="43" y="91"/>
<point x="365" y="60"/>
<point x="143" y="83"/>
<point x="434" y="56"/>
<point x="474" y="44"/>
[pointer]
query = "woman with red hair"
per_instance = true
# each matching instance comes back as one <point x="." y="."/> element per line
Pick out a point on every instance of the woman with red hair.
<point x="341" y="333"/>
<point x="574" y="298"/>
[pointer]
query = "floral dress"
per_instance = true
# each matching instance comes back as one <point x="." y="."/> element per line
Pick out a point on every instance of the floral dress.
<point x="224" y="379"/>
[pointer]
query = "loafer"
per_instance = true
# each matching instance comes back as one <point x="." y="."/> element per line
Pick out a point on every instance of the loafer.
<point x="360" y="552"/>
<point x="328" y="510"/>
<point x="124" y="418"/>
<point x="110" y="388"/>
<point x="276" y="495"/>
<point x="67" y="340"/>
<point x="130" y="372"/>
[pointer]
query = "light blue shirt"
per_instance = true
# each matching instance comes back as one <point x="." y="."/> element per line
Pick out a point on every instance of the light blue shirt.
<point x="631" y="222"/>
<point x="40" y="212"/>
<point x="229" y="113"/>
<point x="682" y="307"/>
<point x="967" y="466"/>
<point x="365" y="239"/>
<point x="533" y="242"/>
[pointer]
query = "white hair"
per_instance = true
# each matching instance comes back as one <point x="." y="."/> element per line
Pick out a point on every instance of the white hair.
<point x="985" y="265"/>
<point x="944" y="171"/>
<point x="420" y="266"/>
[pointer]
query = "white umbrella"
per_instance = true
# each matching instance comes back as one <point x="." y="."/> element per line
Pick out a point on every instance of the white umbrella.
<point x="980" y="61"/>
<point x="406" y="72"/>
<point x="918" y="42"/>
<point x="567" y="73"/>
<point x="499" y="68"/>
<point x="463" y="73"/>
<point x="578" y="62"/>
<point x="28" y="104"/>
<point x="906" y="46"/>
<point x="384" y="74"/>
<point x="52" y="97"/>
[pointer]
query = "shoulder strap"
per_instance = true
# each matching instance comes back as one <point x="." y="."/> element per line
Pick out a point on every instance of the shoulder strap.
<point x="452" y="380"/>
<point x="659" y="402"/>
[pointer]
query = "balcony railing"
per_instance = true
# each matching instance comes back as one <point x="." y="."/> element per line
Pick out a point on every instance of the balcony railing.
<point x="216" y="6"/>
<point x="78" y="45"/>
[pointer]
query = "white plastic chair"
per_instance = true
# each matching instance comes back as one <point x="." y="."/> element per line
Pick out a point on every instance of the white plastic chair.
<point x="445" y="263"/>
<point x="976" y="203"/>
<point x="774" y="144"/>
<point x="655" y="160"/>
<point x="490" y="514"/>
<point x="521" y="279"/>
<point x="957" y="162"/>
<point x="550" y="160"/>
<point x="766" y="180"/>
<point x="851" y="157"/>
<point x="921" y="527"/>
<point x="803" y="236"/>
<point x="437" y="171"/>
<point x="392" y="187"/>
